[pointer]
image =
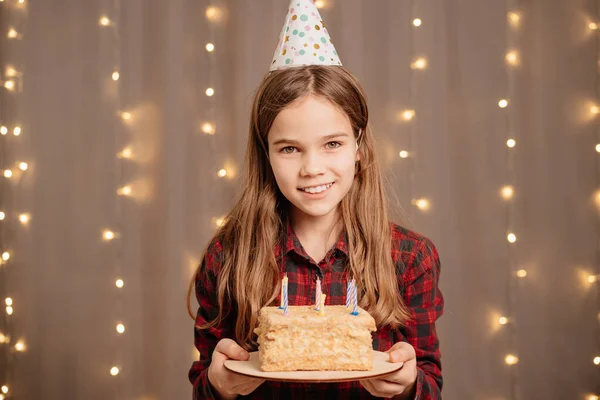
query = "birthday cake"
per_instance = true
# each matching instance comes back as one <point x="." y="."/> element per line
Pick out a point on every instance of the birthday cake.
<point x="335" y="338"/>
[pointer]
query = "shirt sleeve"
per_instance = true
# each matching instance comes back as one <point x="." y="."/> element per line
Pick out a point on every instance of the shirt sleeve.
<point x="206" y="340"/>
<point x="426" y="303"/>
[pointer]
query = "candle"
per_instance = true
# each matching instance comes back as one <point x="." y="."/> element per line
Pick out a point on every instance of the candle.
<point x="322" y="305"/>
<point x="354" y="300"/>
<point x="285" y="294"/>
<point x="348" y="285"/>
<point x="318" y="295"/>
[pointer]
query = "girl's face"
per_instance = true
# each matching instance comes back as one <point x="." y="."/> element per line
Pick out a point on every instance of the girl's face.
<point x="312" y="147"/>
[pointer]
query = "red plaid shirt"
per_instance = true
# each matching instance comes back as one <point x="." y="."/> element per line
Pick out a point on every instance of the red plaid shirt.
<point x="418" y="266"/>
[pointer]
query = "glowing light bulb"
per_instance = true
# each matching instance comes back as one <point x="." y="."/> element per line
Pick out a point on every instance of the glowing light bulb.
<point x="8" y="173"/>
<point x="514" y="18"/>
<point x="6" y="257"/>
<point x="521" y="273"/>
<point x="114" y="371"/>
<point x="4" y="389"/>
<point x="120" y="328"/>
<point x="108" y="235"/>
<point x="23" y="166"/>
<point x="419" y="63"/>
<point x="511" y="143"/>
<point x="3" y="130"/>
<point x="20" y="346"/>
<point x="6" y="339"/>
<point x="214" y="14"/>
<point x="9" y="85"/>
<point x="320" y="3"/>
<point x="126" y="115"/>
<point x="222" y="173"/>
<point x="9" y="310"/>
<point x="12" y="33"/>
<point x="407" y="115"/>
<point x="503" y="103"/>
<point x="507" y="192"/>
<point x="124" y="191"/>
<point x="2" y="215"/>
<point x="422" y="204"/>
<point x="8" y="301"/>
<point x="17" y="131"/>
<point x="125" y="153"/>
<point x="511" y="237"/>
<point x="598" y="148"/>
<point x="591" y="397"/>
<point x="417" y="22"/>
<point x="208" y="128"/>
<point x="119" y="283"/>
<point x="24" y="218"/>
<point x="11" y="72"/>
<point x="512" y="58"/>
<point x="503" y="320"/>
<point x="595" y="110"/>
<point x="104" y="21"/>
<point x="115" y="76"/>
<point x="592" y="278"/>
<point x="210" y="92"/>
<point x="210" y="47"/>
<point x="511" y="359"/>
<point x="593" y="26"/>
<point x="597" y="360"/>
<point x="219" y="222"/>
<point x="404" y="154"/>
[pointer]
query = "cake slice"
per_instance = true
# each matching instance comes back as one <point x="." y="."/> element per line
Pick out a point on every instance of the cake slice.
<point x="306" y="340"/>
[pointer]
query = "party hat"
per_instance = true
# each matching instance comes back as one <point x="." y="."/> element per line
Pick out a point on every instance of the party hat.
<point x="304" y="40"/>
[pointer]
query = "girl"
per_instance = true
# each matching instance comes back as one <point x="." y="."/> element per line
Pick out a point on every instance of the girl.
<point x="312" y="205"/>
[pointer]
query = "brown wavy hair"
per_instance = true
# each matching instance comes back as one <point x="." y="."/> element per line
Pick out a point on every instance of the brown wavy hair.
<point x="250" y="274"/>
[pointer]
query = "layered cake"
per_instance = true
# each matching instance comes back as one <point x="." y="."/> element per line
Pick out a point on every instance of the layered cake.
<point x="335" y="338"/>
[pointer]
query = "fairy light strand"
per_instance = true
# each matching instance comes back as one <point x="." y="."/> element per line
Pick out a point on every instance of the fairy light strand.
<point x="14" y="171"/>
<point x="507" y="192"/>
<point x="596" y="316"/>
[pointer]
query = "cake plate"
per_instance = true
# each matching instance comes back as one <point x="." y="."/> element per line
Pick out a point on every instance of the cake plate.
<point x="381" y="367"/>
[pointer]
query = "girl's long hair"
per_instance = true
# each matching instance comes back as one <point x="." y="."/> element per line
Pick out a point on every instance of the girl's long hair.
<point x="250" y="275"/>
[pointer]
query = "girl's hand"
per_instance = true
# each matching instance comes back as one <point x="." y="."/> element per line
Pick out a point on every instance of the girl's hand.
<point x="228" y="384"/>
<point x="399" y="382"/>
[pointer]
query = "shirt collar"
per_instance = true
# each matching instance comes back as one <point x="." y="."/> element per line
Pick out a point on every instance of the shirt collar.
<point x="291" y="242"/>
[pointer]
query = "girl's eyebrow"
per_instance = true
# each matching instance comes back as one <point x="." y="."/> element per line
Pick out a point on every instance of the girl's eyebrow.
<point x="324" y="138"/>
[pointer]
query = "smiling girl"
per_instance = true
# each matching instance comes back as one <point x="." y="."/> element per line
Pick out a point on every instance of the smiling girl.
<point x="312" y="205"/>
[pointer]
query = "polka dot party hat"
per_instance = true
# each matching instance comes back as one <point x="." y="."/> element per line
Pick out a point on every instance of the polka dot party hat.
<point x="304" y="40"/>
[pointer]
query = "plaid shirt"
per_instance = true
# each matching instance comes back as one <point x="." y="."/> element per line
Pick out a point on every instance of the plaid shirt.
<point x="418" y="266"/>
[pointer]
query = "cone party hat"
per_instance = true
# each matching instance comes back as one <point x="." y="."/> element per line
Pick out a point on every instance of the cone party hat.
<point x="304" y="40"/>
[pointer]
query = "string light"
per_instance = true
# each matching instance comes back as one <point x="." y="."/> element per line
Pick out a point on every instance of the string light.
<point x="511" y="359"/>
<point x="417" y="22"/>
<point x="407" y="115"/>
<point x="24" y="218"/>
<point x="210" y="47"/>
<point x="208" y="128"/>
<point x="404" y="154"/>
<point x="222" y="173"/>
<point x="210" y="92"/>
<point x="121" y="118"/>
<point x="319" y="3"/>
<point x="507" y="192"/>
<point x="13" y="84"/>
<point x="419" y="63"/>
<point x="595" y="110"/>
<point x="422" y="204"/>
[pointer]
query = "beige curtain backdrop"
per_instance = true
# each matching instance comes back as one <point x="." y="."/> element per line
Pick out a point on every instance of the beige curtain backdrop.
<point x="63" y="274"/>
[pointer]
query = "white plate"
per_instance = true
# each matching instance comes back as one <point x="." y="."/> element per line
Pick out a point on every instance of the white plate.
<point x="381" y="366"/>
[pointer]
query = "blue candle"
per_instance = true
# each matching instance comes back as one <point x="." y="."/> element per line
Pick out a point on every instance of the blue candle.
<point x="348" y="299"/>
<point x="285" y="295"/>
<point x="354" y="299"/>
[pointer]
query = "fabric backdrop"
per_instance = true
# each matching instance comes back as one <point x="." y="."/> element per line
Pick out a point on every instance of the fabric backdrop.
<point x="61" y="275"/>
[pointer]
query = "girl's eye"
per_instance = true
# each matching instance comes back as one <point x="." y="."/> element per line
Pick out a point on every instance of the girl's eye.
<point x="338" y="144"/>
<point x="287" y="152"/>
